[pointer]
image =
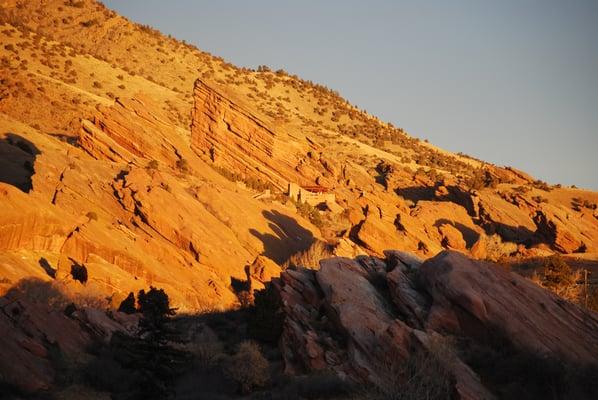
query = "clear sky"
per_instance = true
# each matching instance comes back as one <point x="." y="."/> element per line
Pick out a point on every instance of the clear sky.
<point x="513" y="82"/>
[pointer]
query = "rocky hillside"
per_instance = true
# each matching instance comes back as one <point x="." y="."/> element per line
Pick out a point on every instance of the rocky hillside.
<point x="130" y="160"/>
<point x="372" y="318"/>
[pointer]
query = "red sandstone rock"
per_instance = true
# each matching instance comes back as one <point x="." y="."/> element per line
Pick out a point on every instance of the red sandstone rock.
<point x="449" y="293"/>
<point x="452" y="237"/>
<point x="491" y="298"/>
<point x="238" y="139"/>
<point x="261" y="271"/>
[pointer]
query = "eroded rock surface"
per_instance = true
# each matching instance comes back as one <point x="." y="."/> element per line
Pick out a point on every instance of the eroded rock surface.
<point x="352" y="315"/>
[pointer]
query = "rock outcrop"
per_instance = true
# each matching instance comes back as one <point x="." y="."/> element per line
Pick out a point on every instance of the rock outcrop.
<point x="260" y="272"/>
<point x="131" y="201"/>
<point x="238" y="139"/>
<point x="36" y="335"/>
<point x="352" y="315"/>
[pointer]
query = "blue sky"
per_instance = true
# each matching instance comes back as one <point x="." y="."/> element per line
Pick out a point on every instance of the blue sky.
<point x="510" y="82"/>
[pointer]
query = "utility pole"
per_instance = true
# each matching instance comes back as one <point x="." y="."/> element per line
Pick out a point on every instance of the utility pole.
<point x="586" y="284"/>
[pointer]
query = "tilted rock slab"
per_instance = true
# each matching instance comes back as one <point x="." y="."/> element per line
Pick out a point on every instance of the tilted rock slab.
<point x="239" y="139"/>
<point x="357" y="317"/>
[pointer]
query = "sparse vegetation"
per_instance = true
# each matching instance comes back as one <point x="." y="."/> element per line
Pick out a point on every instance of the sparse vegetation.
<point x="310" y="212"/>
<point x="311" y="257"/>
<point x="512" y="373"/>
<point x="248" y="368"/>
<point x="79" y="272"/>
<point x="152" y="165"/>
<point x="426" y="374"/>
<point x="482" y="178"/>
<point x="557" y="276"/>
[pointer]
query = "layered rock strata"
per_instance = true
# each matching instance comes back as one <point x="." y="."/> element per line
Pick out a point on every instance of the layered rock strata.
<point x="237" y="139"/>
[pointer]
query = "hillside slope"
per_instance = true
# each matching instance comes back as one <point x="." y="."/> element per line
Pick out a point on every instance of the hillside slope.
<point x="96" y="114"/>
<point x="130" y="160"/>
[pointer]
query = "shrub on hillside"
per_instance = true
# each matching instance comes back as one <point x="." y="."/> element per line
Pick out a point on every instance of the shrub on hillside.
<point x="425" y="375"/>
<point x="557" y="276"/>
<point x="310" y="212"/>
<point x="153" y="164"/>
<point x="79" y="272"/>
<point x="267" y="319"/>
<point x="311" y="257"/>
<point x="183" y="165"/>
<point x="155" y="309"/>
<point x="127" y="306"/>
<point x="248" y="368"/>
<point x="482" y="178"/>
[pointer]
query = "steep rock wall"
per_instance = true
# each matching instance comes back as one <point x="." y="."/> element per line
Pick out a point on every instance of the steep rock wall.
<point x="237" y="139"/>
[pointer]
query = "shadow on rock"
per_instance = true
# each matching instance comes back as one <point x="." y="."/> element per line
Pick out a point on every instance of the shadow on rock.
<point x="17" y="157"/>
<point x="289" y="237"/>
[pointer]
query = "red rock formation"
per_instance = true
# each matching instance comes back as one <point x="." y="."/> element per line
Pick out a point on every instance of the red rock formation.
<point x="237" y="139"/>
<point x="261" y="271"/>
<point x="352" y="314"/>
<point x="34" y="330"/>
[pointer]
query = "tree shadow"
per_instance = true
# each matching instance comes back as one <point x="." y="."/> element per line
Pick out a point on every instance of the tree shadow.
<point x="416" y="193"/>
<point x="289" y="236"/>
<point x="47" y="267"/>
<point x="454" y="194"/>
<point x="516" y="234"/>
<point x="17" y="157"/>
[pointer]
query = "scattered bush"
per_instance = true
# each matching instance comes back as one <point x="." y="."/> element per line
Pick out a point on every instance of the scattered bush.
<point x="248" y="368"/>
<point x="309" y="212"/>
<point x="425" y="375"/>
<point x="183" y="165"/>
<point x="92" y="215"/>
<point x="75" y="4"/>
<point x="89" y="23"/>
<point x="482" y="178"/>
<point x="557" y="276"/>
<point x="153" y="164"/>
<point x="266" y="321"/>
<point x="79" y="272"/>
<point x="207" y="349"/>
<point x="311" y="257"/>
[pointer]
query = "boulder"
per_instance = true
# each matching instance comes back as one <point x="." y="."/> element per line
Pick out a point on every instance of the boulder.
<point x="451" y="237"/>
<point x="470" y="297"/>
<point x="554" y="232"/>
<point x="261" y="271"/>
